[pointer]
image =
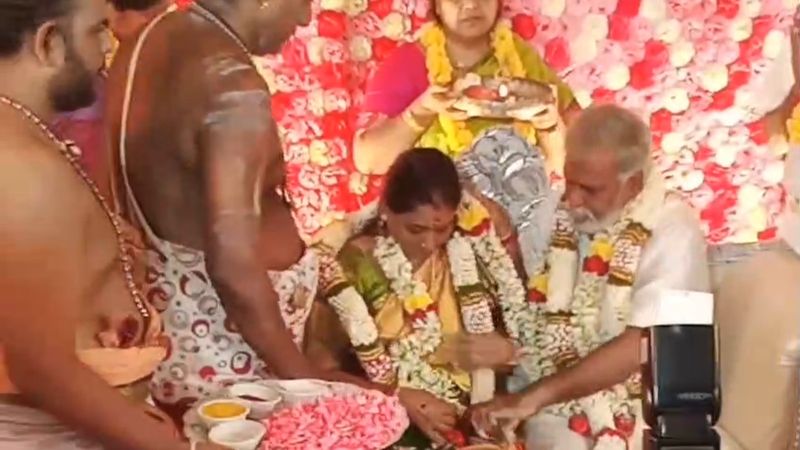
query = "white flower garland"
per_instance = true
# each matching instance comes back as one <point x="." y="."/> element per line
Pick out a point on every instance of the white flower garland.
<point x="405" y="361"/>
<point x="592" y="307"/>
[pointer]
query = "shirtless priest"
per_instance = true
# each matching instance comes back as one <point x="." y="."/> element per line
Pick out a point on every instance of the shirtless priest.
<point x="202" y="167"/>
<point x="76" y="337"/>
<point x="620" y="241"/>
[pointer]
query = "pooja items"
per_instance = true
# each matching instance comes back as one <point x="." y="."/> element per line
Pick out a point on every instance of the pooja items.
<point x="309" y="414"/>
<point x="502" y="98"/>
<point x="259" y="398"/>
<point x="238" y="435"/>
<point x="215" y="412"/>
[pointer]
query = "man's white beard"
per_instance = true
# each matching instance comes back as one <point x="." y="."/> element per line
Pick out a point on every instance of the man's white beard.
<point x="585" y="222"/>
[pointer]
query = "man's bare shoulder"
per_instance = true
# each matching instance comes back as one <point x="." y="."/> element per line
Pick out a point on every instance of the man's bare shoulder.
<point x="45" y="192"/>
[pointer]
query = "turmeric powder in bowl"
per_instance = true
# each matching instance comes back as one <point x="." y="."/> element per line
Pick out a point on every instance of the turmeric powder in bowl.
<point x="215" y="412"/>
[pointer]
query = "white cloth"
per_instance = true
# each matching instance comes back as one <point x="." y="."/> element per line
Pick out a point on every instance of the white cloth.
<point x="26" y="428"/>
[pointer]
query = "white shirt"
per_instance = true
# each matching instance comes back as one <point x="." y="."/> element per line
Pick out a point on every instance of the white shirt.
<point x="673" y="259"/>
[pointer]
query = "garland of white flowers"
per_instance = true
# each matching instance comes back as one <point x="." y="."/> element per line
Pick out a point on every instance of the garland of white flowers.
<point x="580" y="308"/>
<point x="405" y="361"/>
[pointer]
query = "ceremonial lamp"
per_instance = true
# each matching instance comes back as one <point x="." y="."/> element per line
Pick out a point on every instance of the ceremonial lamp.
<point x="680" y="374"/>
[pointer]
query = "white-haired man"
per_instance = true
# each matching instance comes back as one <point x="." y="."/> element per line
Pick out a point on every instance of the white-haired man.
<point x="620" y="241"/>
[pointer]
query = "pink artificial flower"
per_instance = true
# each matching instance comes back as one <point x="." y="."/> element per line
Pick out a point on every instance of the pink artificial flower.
<point x="578" y="8"/>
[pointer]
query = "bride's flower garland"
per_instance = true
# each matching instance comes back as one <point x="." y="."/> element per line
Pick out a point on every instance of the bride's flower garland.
<point x="458" y="136"/>
<point x="579" y="310"/>
<point x="405" y="360"/>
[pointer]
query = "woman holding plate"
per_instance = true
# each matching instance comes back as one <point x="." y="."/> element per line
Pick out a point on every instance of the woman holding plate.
<point x="425" y="299"/>
<point x="412" y="96"/>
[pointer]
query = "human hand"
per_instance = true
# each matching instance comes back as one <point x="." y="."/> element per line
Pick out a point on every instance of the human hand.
<point x="161" y="418"/>
<point x="502" y="415"/>
<point x="434" y="101"/>
<point x="475" y="351"/>
<point x="434" y="417"/>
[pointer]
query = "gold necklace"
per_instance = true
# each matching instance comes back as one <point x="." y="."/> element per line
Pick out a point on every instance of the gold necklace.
<point x="71" y="152"/>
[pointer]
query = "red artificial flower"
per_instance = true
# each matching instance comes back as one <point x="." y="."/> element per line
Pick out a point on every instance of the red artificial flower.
<point x="642" y="74"/>
<point x="335" y="124"/>
<point x="294" y="53"/>
<point x="382" y="47"/>
<point x="728" y="8"/>
<point x="183" y="5"/>
<point x="723" y="99"/>
<point x="556" y="53"/>
<point x="627" y="8"/>
<point x="524" y="25"/>
<point x="703" y="154"/>
<point x="768" y="235"/>
<point x="332" y="24"/>
<point x="595" y="264"/>
<point x="579" y="423"/>
<point x="281" y="105"/>
<point x="619" y="27"/>
<point x="758" y="132"/>
<point x="661" y="121"/>
<point x="381" y="8"/>
<point x="535" y="296"/>
<point x="418" y="21"/>
<point x="625" y="424"/>
<point x="656" y="52"/>
<point x="612" y="432"/>
<point x="716" y="177"/>
<point x="738" y="77"/>
<point x="603" y="95"/>
<point x="329" y="75"/>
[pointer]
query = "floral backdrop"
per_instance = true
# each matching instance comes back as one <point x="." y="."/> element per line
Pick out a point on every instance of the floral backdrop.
<point x="697" y="69"/>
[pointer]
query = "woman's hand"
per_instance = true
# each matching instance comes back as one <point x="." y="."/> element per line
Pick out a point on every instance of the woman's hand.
<point x="434" y="417"/>
<point x="476" y="351"/>
<point x="434" y="101"/>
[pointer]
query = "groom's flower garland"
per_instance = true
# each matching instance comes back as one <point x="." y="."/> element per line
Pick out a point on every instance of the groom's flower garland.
<point x="405" y="361"/>
<point x="579" y="310"/>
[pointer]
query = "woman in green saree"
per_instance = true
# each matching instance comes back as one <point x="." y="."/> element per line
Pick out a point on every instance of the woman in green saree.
<point x="427" y="300"/>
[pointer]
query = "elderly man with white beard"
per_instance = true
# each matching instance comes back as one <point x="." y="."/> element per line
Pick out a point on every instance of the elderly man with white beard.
<point x="621" y="241"/>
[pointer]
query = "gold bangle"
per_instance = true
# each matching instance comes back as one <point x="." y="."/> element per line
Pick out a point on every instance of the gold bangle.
<point x="412" y="122"/>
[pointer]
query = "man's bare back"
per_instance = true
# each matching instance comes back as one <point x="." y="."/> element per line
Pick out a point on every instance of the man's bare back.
<point x="169" y="119"/>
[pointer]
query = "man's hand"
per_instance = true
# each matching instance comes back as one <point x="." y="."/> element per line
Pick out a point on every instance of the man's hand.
<point x="164" y="421"/>
<point x="500" y="417"/>
<point x="432" y="416"/>
<point x="476" y="351"/>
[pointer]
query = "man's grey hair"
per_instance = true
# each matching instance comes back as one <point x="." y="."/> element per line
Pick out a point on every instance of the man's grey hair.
<point x="611" y="127"/>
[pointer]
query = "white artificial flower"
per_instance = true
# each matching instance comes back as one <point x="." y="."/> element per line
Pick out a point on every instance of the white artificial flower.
<point x="668" y="31"/>
<point x="681" y="53"/>
<point x="676" y="100"/>
<point x="750" y="8"/>
<point x="315" y="47"/>
<point x="315" y="102"/>
<point x="773" y="173"/>
<point x="396" y="25"/>
<point x="357" y="183"/>
<point x="773" y="44"/>
<point x="356" y="7"/>
<point x="583" y="97"/>
<point x="749" y="196"/>
<point x="731" y="116"/>
<point x="741" y="28"/>
<point x="790" y="4"/>
<point x="714" y="78"/>
<point x="654" y="10"/>
<point x="553" y="8"/>
<point x="318" y="153"/>
<point x="692" y="180"/>
<point x="673" y="142"/>
<point x="596" y="26"/>
<point x="617" y="77"/>
<point x="583" y="48"/>
<point x="725" y="155"/>
<point x="333" y="5"/>
<point x="361" y="48"/>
